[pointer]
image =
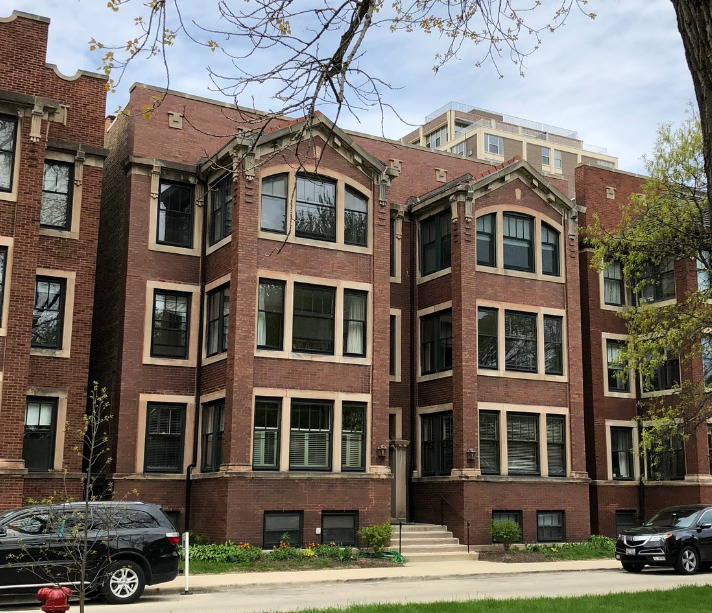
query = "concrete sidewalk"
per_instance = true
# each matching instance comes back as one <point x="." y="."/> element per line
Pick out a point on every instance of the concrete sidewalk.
<point x="414" y="570"/>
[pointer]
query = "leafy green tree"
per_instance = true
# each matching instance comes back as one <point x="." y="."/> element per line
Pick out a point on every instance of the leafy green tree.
<point x="667" y="224"/>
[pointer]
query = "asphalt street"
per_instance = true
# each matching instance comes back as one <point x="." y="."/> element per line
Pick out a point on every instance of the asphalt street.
<point x="292" y="597"/>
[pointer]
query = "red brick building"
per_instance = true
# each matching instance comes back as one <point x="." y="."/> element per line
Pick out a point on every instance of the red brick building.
<point x="51" y="160"/>
<point x="624" y="489"/>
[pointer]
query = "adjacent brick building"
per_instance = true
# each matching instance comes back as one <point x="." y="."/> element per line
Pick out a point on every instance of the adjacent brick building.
<point x="51" y="159"/>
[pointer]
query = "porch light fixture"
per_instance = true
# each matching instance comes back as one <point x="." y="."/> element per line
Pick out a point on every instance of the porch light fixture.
<point x="381" y="451"/>
<point x="471" y="454"/>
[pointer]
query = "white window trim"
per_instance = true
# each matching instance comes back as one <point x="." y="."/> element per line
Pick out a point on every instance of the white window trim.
<point x="70" y="278"/>
<point x="398" y="412"/>
<point x="6" y="241"/>
<point x="501" y="371"/>
<point x="542" y="411"/>
<point x="338" y="356"/>
<point x="617" y="423"/>
<point x="538" y="218"/>
<point x="421" y="378"/>
<point x="342" y="181"/>
<point x="419" y="278"/>
<point x="77" y="186"/>
<point x="157" y="174"/>
<point x="141" y="416"/>
<point x="11" y="196"/>
<point x="206" y="399"/>
<point x="398" y="345"/>
<point x="338" y="398"/>
<point x="60" y="395"/>
<point x="209" y="287"/>
<point x="628" y="295"/>
<point x="606" y="336"/>
<point x="194" y="291"/>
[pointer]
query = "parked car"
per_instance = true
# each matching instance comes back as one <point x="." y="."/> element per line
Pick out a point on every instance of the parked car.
<point x="129" y="544"/>
<point x="680" y="537"/>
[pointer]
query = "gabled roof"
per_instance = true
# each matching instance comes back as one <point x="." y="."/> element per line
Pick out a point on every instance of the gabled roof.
<point x="493" y="178"/>
<point x="286" y="133"/>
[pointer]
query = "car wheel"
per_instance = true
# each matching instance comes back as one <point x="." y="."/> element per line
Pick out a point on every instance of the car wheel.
<point x="688" y="561"/>
<point x="633" y="567"/>
<point x="123" y="582"/>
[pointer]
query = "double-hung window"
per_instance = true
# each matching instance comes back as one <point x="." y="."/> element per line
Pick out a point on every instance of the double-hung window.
<point x="270" y="314"/>
<point x="56" y="209"/>
<point x="313" y="320"/>
<point x="704" y="275"/>
<point x="557" y="159"/>
<point x="613" y="286"/>
<point x="622" y="453"/>
<point x="518" y="242"/>
<point x="218" y="320"/>
<point x="658" y="282"/>
<point x="220" y="209"/>
<point x="486" y="240"/>
<point x="436" y="342"/>
<point x="550" y="526"/>
<point x="165" y="425"/>
<point x="435" y="248"/>
<point x="8" y="137"/>
<point x="273" y="217"/>
<point x="436" y="444"/>
<point x="355" y="308"/>
<point x="667" y="463"/>
<point x="520" y="342"/>
<point x="489" y="442"/>
<point x="171" y="324"/>
<point x="315" y="208"/>
<point x="213" y="426"/>
<point x="556" y="445"/>
<point x="393" y="259"/>
<point x="355" y="217"/>
<point x="523" y="443"/>
<point x="310" y="435"/>
<point x="265" y="446"/>
<point x="545" y="153"/>
<point x="353" y="436"/>
<point x="494" y="144"/>
<point x="549" y="250"/>
<point x="665" y="376"/>
<point x="40" y="428"/>
<point x="707" y="360"/>
<point x="393" y="346"/>
<point x="487" y="345"/>
<point x="617" y="379"/>
<point x="175" y="214"/>
<point x="553" y="345"/>
<point x="48" y="313"/>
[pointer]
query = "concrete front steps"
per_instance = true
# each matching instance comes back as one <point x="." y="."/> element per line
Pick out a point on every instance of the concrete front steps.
<point x="429" y="543"/>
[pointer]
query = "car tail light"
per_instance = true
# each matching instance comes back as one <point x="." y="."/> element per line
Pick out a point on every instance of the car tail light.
<point x="173" y="538"/>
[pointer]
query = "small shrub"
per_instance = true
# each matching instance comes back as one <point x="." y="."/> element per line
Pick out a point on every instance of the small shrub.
<point x="505" y="532"/>
<point x="227" y="552"/>
<point x="285" y="552"/>
<point x="376" y="537"/>
<point x="198" y="539"/>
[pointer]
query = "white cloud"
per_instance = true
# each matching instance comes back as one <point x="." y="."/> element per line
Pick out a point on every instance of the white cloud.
<point x="613" y="80"/>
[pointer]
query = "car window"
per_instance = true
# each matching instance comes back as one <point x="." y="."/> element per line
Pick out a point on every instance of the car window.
<point x="29" y="524"/>
<point x="137" y="520"/>
<point x="677" y="518"/>
<point x="706" y="517"/>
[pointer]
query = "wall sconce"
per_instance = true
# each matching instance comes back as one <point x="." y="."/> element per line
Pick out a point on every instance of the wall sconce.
<point x="471" y="454"/>
<point x="381" y="451"/>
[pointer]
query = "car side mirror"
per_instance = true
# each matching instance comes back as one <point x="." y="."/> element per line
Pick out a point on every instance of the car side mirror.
<point x="704" y="526"/>
<point x="3" y="532"/>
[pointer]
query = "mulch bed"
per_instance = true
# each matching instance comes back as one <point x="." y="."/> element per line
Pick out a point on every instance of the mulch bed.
<point x="512" y="556"/>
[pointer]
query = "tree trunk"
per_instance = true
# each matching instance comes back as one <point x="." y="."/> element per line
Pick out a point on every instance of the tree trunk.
<point x="694" y="20"/>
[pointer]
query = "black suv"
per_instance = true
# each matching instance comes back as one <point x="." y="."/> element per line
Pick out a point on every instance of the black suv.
<point x="129" y="545"/>
<point x="676" y="536"/>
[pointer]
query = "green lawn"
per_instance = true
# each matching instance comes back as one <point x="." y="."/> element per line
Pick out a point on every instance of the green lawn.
<point x="679" y="600"/>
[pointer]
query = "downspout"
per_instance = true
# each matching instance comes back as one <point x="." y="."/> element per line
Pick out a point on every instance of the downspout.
<point x="641" y="464"/>
<point x="199" y="365"/>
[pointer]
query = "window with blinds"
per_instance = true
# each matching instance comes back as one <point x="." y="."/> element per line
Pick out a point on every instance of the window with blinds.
<point x="489" y="442"/>
<point x="164" y="438"/>
<point x="556" y="445"/>
<point x="265" y="444"/>
<point x="523" y="444"/>
<point x="353" y="436"/>
<point x="310" y="435"/>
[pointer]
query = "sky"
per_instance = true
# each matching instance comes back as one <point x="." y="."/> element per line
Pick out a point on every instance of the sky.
<point x="613" y="79"/>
